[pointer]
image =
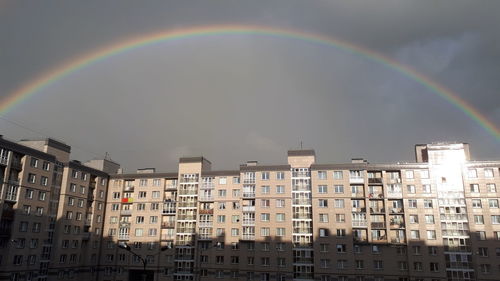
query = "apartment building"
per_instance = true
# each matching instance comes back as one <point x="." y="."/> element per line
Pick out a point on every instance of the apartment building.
<point x="437" y="218"/>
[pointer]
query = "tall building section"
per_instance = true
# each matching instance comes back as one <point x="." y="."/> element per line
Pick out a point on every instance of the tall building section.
<point x="437" y="218"/>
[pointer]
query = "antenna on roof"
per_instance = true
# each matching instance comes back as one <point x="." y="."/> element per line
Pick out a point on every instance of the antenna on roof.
<point x="300" y="145"/>
<point x="106" y="156"/>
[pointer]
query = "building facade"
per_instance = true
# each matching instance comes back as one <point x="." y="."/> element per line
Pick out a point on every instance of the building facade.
<point x="435" y="219"/>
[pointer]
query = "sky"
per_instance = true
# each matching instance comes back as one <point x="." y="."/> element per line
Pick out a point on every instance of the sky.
<point x="240" y="97"/>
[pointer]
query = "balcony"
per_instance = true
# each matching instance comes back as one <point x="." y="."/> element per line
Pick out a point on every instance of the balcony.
<point x="376" y="195"/>
<point x="205" y="236"/>
<point x="301" y="174"/>
<point x="248" y="208"/>
<point x="124" y="224"/>
<point x="397" y="225"/>
<point x="359" y="223"/>
<point x="86" y="236"/>
<point x="187" y="217"/>
<point x="206" y="212"/>
<point x="168" y="224"/>
<point x="167" y="237"/>
<point x="126" y="212"/>
<point x="398" y="240"/>
<point x="359" y="210"/>
<point x="171" y="187"/>
<point x="184" y="258"/>
<point x="396" y="210"/>
<point x="357" y="180"/>
<point x="303" y="260"/>
<point x="375" y="180"/>
<point x="248" y="222"/>
<point x="302" y="216"/>
<point x="377" y="210"/>
<point x="394" y="180"/>
<point x="4" y="160"/>
<point x="128" y="188"/>
<point x="303" y="245"/>
<point x="394" y="194"/>
<point x="301" y="187"/>
<point x="187" y="192"/>
<point x="123" y="237"/>
<point x="206" y="224"/>
<point x="359" y="240"/>
<point x="379" y="239"/>
<point x="88" y="222"/>
<point x="303" y="201"/>
<point x="206" y="198"/>
<point x="248" y="194"/>
<point x="186" y="230"/>
<point x="189" y="180"/>
<point x="378" y="224"/>
<point x="302" y="230"/>
<point x="248" y="237"/>
<point x="207" y="186"/>
<point x="359" y="194"/>
<point x="186" y="204"/>
<point x="169" y="211"/>
<point x="16" y="164"/>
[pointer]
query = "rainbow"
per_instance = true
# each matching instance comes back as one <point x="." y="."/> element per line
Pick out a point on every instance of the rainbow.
<point x="48" y="78"/>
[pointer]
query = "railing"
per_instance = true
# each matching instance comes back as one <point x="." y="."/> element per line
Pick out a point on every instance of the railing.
<point x="360" y="239"/>
<point x="302" y="216"/>
<point x="207" y="186"/>
<point x="356" y="179"/>
<point x="206" y="198"/>
<point x="302" y="245"/>
<point x="377" y="210"/>
<point x="167" y="237"/>
<point x="302" y="230"/>
<point x="396" y="210"/>
<point x="398" y="240"/>
<point x="301" y="187"/>
<point x="205" y="236"/>
<point x="301" y="174"/>
<point x="248" y="194"/>
<point x="169" y="211"/>
<point x="378" y="224"/>
<point x="376" y="195"/>
<point x="396" y="194"/>
<point x="189" y="180"/>
<point x="394" y="180"/>
<point x="359" y="223"/>
<point x="186" y="204"/>
<point x="184" y="242"/>
<point x="457" y="248"/>
<point x="168" y="224"/>
<point x="170" y="187"/>
<point x="184" y="257"/>
<point x="302" y="260"/>
<point x="360" y="194"/>
<point x="16" y="165"/>
<point x="126" y="212"/>
<point x="359" y="210"/>
<point x="374" y="180"/>
<point x="248" y="237"/>
<point x="206" y="223"/>
<point x="187" y="192"/>
<point x="206" y="212"/>
<point x="302" y="201"/>
<point x="123" y="237"/>
<point x="453" y="217"/>
<point x="128" y="188"/>
<point x="382" y="238"/>
<point x="186" y="230"/>
<point x="248" y="222"/>
<point x="397" y="225"/>
<point x="248" y="208"/>
<point x="186" y="217"/>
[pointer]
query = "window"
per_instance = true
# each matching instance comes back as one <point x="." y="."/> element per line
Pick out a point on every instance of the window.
<point x="495" y="219"/>
<point x="426" y="188"/>
<point x="36" y="227"/>
<point x="69" y="215"/>
<point x="280" y="203"/>
<point x="424" y="174"/>
<point x="375" y="249"/>
<point x="280" y="231"/>
<point x="46" y="165"/>
<point x="265" y="203"/>
<point x="411" y="189"/>
<point x="323" y="217"/>
<point x="323" y="203"/>
<point x="323" y="247"/>
<point x="222" y="193"/>
<point x="236" y="193"/>
<point x="265" y="176"/>
<point x="493" y="203"/>
<point x="74" y="174"/>
<point x="31" y="178"/>
<point x="324" y="263"/>
<point x="265" y="216"/>
<point x="143" y="182"/>
<point x="266" y="189"/>
<point x="235" y="232"/>
<point x="414" y="234"/>
<point x="432" y="250"/>
<point x="474" y="187"/>
<point x="428" y="203"/>
<point x="141" y="207"/>
<point x="341" y="232"/>
<point x="265" y="231"/>
<point x="139" y="232"/>
<point x="476" y="203"/>
<point x="323" y="232"/>
<point x="434" y="266"/>
<point x="142" y="194"/>
<point x="222" y="180"/>
<point x="280" y="175"/>
<point x="488" y="173"/>
<point x="360" y="264"/>
<point x="322" y="175"/>
<point x="236" y="180"/>
<point x="322" y="189"/>
<point x="41" y="195"/>
<point x="491" y="187"/>
<point x="481" y="235"/>
<point x="478" y="219"/>
<point x="340" y="217"/>
<point x="280" y="189"/>
<point x="429" y="219"/>
<point x="341" y="264"/>
<point x="409" y="174"/>
<point x="139" y="219"/>
<point x="472" y="173"/>
<point x="280" y="217"/>
<point x="156" y="194"/>
<point x="44" y="181"/>
<point x="339" y="203"/>
<point x="431" y="234"/>
<point x="72" y="187"/>
<point x="417" y="266"/>
<point x="412" y="203"/>
<point x="482" y="251"/>
<point x="378" y="265"/>
<point x="339" y="188"/>
<point x="221" y="218"/>
<point x="337" y="175"/>
<point x="341" y="248"/>
<point x="416" y="250"/>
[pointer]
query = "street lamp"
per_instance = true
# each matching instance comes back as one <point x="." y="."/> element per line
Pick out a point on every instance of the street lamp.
<point x="125" y="246"/>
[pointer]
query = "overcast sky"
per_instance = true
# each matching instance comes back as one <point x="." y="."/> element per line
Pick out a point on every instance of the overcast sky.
<point x="233" y="98"/>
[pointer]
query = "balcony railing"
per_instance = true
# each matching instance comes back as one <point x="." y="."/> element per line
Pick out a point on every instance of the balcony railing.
<point x="301" y="187"/>
<point x="128" y="188"/>
<point x="377" y="210"/>
<point x="167" y="237"/>
<point x="356" y="180"/>
<point x="398" y="240"/>
<point x="359" y="194"/>
<point x="376" y="195"/>
<point x="168" y="224"/>
<point x="187" y="192"/>
<point x="359" y="209"/>
<point x="302" y="216"/>
<point x="206" y="212"/>
<point x="186" y="217"/>
<point x="186" y="230"/>
<point x="375" y="180"/>
<point x="186" y="204"/>
<point x="248" y="237"/>
<point x="170" y="187"/>
<point x="248" y="194"/>
<point x="248" y="208"/>
<point x="205" y="236"/>
<point x="86" y="236"/>
<point x="378" y="224"/>
<point x="359" y="223"/>
<point x="302" y="201"/>
<point x="303" y="260"/>
<point x="360" y="240"/>
<point x="206" y="198"/>
<point x="396" y="210"/>
<point x="169" y="211"/>
<point x="206" y="223"/>
<point x="126" y="212"/>
<point x="397" y="225"/>
<point x="302" y="230"/>
<point x="248" y="222"/>
<point x="123" y="237"/>
<point x="301" y="174"/>
<point x="4" y="160"/>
